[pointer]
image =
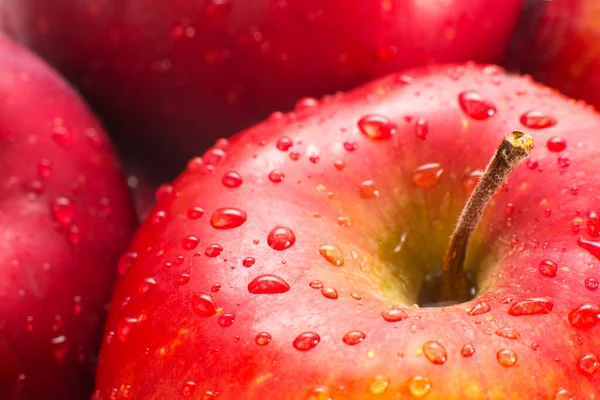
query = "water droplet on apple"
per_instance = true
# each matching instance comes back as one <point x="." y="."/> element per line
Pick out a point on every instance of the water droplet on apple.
<point x="532" y="306"/>
<point x="563" y="394"/>
<point x="126" y="262"/>
<point x="588" y="363"/>
<point x="306" y="104"/>
<point x="60" y="347"/>
<point x="329" y="292"/>
<point x="295" y="155"/>
<point x="532" y="163"/>
<point x="353" y="338"/>
<point x="427" y="176"/>
<point x="263" y="338"/>
<point x="276" y="176"/>
<point x="228" y="218"/>
<point x="316" y="284"/>
<point x="481" y="307"/>
<point x="506" y="357"/>
<point x="563" y="162"/>
<point x="214" y="157"/>
<point x="189" y="242"/>
<point x="394" y="314"/>
<point x="591" y="283"/>
<point x="435" y="352"/>
<point x="63" y="210"/>
<point x="422" y="129"/>
<point x="204" y="304"/>
<point x="226" y="320"/>
<point x="124" y="328"/>
<point x="350" y="146"/>
<point x="355" y="296"/>
<point x="377" y="127"/>
<point x="248" y="262"/>
<point x="268" y="284"/>
<point x="284" y="143"/>
<point x="62" y="136"/>
<point x="306" y="341"/>
<point x="231" y="179"/>
<point x="467" y="350"/>
<point x="592" y="223"/>
<point x="476" y="106"/>
<point x="548" y="268"/>
<point x="332" y="254"/>
<point x="281" y="238"/>
<point x="591" y="246"/>
<point x="419" y="386"/>
<point x="368" y="190"/>
<point x="195" y="213"/>
<point x="44" y="168"/>
<point x="378" y="384"/>
<point x="556" y="144"/>
<point x="509" y="333"/>
<point x="146" y="285"/>
<point x="183" y="278"/>
<point x="213" y="250"/>
<point x="188" y="388"/>
<point x="585" y="316"/>
<point x="537" y="120"/>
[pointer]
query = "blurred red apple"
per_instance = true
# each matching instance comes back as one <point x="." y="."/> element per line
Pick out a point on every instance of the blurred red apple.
<point x="287" y="263"/>
<point x="560" y="45"/>
<point x="173" y="75"/>
<point x="65" y="217"/>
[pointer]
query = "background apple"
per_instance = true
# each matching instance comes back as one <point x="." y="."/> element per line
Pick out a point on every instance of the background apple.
<point x="286" y="264"/>
<point x="65" y="217"/>
<point x="172" y="76"/>
<point x="559" y="44"/>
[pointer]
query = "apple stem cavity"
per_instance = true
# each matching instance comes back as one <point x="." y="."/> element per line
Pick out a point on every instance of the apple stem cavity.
<point x="513" y="149"/>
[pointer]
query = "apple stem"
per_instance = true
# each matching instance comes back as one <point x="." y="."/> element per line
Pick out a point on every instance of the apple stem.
<point x="513" y="149"/>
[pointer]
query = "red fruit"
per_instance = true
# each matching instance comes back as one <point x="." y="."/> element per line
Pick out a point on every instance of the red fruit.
<point x="65" y="217"/>
<point x="521" y="337"/>
<point x="561" y="47"/>
<point x="172" y="76"/>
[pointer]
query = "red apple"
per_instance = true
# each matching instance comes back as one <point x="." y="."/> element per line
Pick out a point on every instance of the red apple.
<point x="561" y="46"/>
<point x="172" y="76"/>
<point x="65" y="218"/>
<point x="287" y="265"/>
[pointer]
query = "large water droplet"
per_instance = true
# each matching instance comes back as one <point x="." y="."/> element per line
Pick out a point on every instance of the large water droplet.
<point x="419" y="386"/>
<point x="329" y="292"/>
<point x="63" y="210"/>
<point x="563" y="394"/>
<point x="509" y="333"/>
<point x="226" y="320"/>
<point x="394" y="314"/>
<point x="537" y="305"/>
<point x="506" y="358"/>
<point x="248" y="262"/>
<point x="268" y="284"/>
<point x="213" y="250"/>
<point x="306" y="341"/>
<point x="476" y="106"/>
<point x="592" y="223"/>
<point x="232" y="179"/>
<point x="377" y="127"/>
<point x="276" y="176"/>
<point x="591" y="283"/>
<point x="281" y="238"/>
<point x="204" y="304"/>
<point x="585" y="316"/>
<point x="435" y="352"/>
<point x="188" y="388"/>
<point x="332" y="254"/>
<point x="353" y="338"/>
<point x="228" y="218"/>
<point x="556" y="144"/>
<point x="588" y="363"/>
<point x="481" y="307"/>
<point x="427" y="176"/>
<point x="548" y="268"/>
<point x="316" y="284"/>
<point x="284" y="143"/>
<point x="263" y="338"/>
<point x="189" y="242"/>
<point x="537" y="120"/>
<point x="195" y="213"/>
<point x="467" y="350"/>
<point x="379" y="384"/>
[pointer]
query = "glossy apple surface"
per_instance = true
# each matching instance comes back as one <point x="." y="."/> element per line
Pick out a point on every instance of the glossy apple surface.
<point x="172" y="76"/>
<point x="561" y="47"/>
<point x="65" y="217"/>
<point x="286" y="264"/>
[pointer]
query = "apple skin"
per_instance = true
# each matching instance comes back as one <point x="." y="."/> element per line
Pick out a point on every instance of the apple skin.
<point x="172" y="76"/>
<point x="158" y="346"/>
<point x="560" y="46"/>
<point x="66" y="216"/>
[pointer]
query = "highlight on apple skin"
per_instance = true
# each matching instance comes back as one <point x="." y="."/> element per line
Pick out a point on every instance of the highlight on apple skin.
<point x="290" y="261"/>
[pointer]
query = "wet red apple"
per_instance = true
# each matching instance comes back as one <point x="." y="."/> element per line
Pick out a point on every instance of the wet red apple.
<point x="172" y="76"/>
<point x="560" y="46"/>
<point x="65" y="218"/>
<point x="302" y="259"/>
